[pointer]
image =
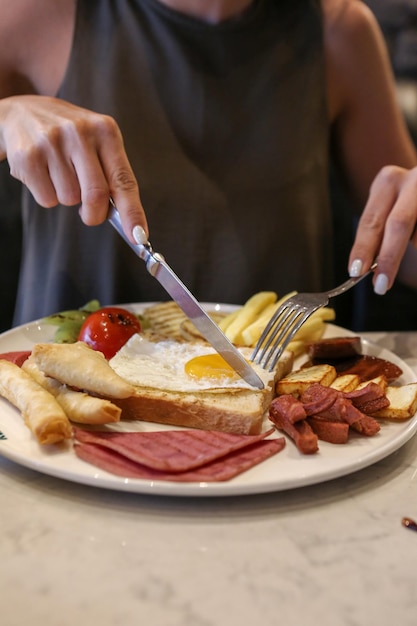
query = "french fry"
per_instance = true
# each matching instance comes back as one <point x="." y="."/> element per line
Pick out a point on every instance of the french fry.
<point x="326" y="313"/>
<point x="313" y="329"/>
<point x="248" y="313"/>
<point x="251" y="333"/>
<point x="226" y="321"/>
<point x="309" y="329"/>
<point x="245" y="325"/>
<point x="316" y="335"/>
<point x="296" y="347"/>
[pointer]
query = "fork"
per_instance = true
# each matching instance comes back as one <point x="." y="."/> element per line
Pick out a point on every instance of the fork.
<point x="289" y="318"/>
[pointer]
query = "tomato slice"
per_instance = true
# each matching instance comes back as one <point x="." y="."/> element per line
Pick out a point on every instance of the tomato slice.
<point x="108" y="329"/>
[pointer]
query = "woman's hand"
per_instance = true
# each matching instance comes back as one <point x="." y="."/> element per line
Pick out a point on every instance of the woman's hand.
<point x="387" y="225"/>
<point x="70" y="155"/>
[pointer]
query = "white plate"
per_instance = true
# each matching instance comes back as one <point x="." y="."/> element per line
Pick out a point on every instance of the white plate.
<point x="287" y="470"/>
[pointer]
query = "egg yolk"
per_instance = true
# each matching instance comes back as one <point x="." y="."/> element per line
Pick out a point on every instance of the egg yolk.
<point x="209" y="366"/>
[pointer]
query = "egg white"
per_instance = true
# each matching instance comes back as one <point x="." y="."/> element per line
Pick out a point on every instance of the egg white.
<point x="161" y="366"/>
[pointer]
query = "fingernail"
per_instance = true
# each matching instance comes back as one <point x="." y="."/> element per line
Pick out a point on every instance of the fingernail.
<point x="355" y="268"/>
<point x="381" y="284"/>
<point x="139" y="235"/>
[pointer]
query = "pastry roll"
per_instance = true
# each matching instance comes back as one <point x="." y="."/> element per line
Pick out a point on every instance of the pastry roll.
<point x="79" y="406"/>
<point x="79" y="366"/>
<point x="40" y="410"/>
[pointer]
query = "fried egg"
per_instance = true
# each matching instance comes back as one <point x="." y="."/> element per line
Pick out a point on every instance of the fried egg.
<point x="173" y="366"/>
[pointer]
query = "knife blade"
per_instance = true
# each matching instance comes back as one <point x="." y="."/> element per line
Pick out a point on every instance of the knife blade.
<point x="159" y="269"/>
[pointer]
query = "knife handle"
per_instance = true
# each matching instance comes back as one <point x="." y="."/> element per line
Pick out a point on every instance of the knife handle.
<point x="144" y="251"/>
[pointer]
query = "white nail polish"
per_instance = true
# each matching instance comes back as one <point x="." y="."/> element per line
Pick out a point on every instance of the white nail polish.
<point x="355" y="268"/>
<point x="139" y="235"/>
<point x="381" y="284"/>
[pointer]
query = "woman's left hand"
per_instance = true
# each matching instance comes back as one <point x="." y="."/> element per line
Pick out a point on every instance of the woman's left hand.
<point x="387" y="225"/>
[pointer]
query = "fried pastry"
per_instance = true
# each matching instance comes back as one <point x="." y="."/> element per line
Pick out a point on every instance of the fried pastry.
<point x="41" y="412"/>
<point x="78" y="405"/>
<point x="79" y="366"/>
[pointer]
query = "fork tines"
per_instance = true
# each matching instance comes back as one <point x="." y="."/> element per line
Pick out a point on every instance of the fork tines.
<point x="279" y="331"/>
<point x="290" y="316"/>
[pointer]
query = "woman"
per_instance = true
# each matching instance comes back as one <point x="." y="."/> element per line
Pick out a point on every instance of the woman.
<point x="223" y="111"/>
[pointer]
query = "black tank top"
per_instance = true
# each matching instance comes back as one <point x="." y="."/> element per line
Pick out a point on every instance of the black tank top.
<point x="226" y="128"/>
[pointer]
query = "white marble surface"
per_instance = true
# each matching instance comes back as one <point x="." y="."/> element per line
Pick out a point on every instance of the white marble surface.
<point x="329" y="555"/>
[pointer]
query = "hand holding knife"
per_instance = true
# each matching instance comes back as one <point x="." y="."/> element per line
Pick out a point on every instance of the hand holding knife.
<point x="159" y="269"/>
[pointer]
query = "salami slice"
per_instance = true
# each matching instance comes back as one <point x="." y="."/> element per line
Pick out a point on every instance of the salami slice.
<point x="171" y="451"/>
<point x="17" y="357"/>
<point x="221" y="470"/>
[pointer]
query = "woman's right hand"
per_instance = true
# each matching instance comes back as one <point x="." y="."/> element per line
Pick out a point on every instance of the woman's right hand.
<point x="69" y="155"/>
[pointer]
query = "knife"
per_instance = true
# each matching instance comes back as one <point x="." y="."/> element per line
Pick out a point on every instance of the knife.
<point x="159" y="269"/>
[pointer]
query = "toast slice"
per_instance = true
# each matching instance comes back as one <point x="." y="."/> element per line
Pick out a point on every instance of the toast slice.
<point x="165" y="319"/>
<point x="190" y="333"/>
<point x="239" y="411"/>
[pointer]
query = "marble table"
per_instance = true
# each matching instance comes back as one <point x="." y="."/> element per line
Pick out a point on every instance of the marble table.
<point x="330" y="554"/>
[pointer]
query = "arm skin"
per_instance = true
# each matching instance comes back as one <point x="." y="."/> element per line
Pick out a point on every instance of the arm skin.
<point x="61" y="152"/>
<point x="375" y="150"/>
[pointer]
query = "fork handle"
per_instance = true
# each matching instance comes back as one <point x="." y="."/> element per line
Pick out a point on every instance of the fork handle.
<point x="351" y="282"/>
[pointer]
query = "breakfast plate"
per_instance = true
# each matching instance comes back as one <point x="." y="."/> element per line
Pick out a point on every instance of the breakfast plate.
<point x="287" y="470"/>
